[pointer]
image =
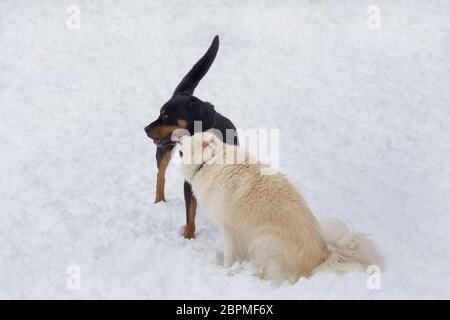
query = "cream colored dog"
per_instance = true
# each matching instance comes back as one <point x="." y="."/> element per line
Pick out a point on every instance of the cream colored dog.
<point x="263" y="218"/>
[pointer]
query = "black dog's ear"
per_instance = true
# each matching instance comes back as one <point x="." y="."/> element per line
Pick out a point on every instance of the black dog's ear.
<point x="202" y="111"/>
<point x="198" y="71"/>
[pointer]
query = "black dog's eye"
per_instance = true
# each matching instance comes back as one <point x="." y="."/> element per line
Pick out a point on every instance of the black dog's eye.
<point x="164" y="119"/>
<point x="181" y="153"/>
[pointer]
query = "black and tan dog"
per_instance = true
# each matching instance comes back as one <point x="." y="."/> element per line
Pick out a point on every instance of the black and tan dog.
<point x="180" y="112"/>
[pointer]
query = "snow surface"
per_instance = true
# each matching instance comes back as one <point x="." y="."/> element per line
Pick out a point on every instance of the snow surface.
<point x="364" y="118"/>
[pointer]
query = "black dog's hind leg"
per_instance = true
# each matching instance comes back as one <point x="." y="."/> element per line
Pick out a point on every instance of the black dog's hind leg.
<point x="163" y="156"/>
<point x="191" y="209"/>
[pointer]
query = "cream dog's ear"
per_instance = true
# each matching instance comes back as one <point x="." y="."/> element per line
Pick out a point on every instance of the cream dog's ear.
<point x="211" y="139"/>
<point x="213" y="149"/>
<point x="208" y="147"/>
<point x="205" y="144"/>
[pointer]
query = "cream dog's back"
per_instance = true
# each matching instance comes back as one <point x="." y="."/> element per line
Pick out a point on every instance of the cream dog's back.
<point x="262" y="217"/>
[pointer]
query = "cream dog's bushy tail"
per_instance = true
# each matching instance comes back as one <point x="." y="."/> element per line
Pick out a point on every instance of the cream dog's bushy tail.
<point x="349" y="251"/>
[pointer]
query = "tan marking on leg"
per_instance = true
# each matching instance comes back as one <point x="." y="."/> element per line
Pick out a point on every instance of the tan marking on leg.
<point x="160" y="179"/>
<point x="189" y="230"/>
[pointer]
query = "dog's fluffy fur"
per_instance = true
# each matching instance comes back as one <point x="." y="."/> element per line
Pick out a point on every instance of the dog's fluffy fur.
<point x="264" y="219"/>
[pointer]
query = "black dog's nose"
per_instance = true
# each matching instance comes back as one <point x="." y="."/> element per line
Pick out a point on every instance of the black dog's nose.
<point x="147" y="131"/>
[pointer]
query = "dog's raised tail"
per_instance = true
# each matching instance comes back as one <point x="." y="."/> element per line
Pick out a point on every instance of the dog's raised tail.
<point x="198" y="71"/>
<point x="349" y="251"/>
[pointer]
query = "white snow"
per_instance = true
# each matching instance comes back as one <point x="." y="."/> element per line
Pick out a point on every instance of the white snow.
<point x="365" y="135"/>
